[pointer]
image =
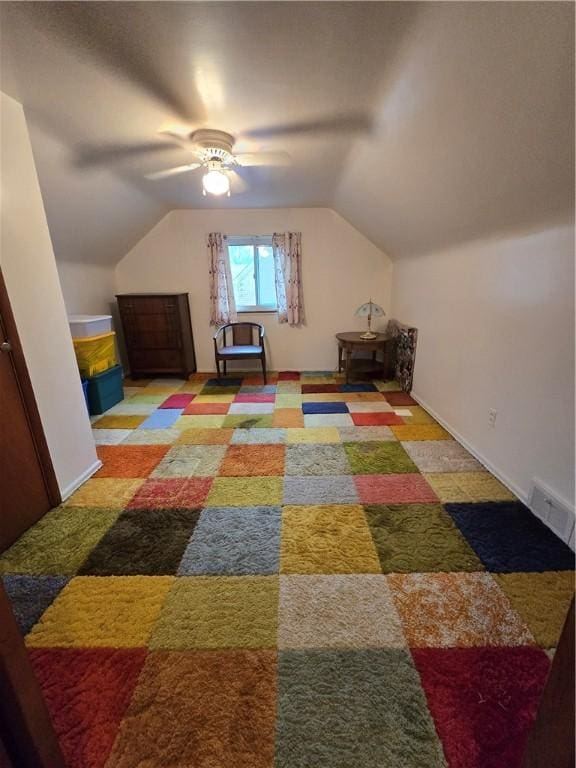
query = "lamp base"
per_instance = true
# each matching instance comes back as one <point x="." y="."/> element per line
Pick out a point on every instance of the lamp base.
<point x="368" y="335"/>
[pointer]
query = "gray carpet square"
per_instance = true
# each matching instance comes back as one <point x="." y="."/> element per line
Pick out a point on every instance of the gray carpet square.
<point x="234" y="541"/>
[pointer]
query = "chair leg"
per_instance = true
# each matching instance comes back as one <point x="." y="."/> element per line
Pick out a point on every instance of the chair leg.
<point x="224" y="367"/>
<point x="263" y="360"/>
<point x="218" y="367"/>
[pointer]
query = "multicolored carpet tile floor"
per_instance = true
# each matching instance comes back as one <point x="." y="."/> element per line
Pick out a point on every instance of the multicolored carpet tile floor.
<point x="306" y="574"/>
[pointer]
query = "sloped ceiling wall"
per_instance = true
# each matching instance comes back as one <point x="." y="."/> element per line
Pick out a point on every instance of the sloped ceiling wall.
<point x="442" y="122"/>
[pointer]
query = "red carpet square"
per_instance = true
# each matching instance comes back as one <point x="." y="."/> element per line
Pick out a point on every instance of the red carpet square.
<point x="87" y="692"/>
<point x="249" y="397"/>
<point x="377" y="419"/>
<point x="390" y="489"/>
<point x="483" y="701"/>
<point x="314" y="389"/>
<point x="129" y="460"/>
<point x="177" y="401"/>
<point x="288" y="376"/>
<point x="206" y="409"/>
<point x="171" y="492"/>
<point x="201" y="708"/>
<point x="399" y="398"/>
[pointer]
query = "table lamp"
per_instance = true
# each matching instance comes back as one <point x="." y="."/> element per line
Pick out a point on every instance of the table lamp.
<point x="369" y="310"/>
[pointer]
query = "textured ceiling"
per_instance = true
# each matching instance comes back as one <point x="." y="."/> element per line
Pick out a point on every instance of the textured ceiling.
<point x="441" y="121"/>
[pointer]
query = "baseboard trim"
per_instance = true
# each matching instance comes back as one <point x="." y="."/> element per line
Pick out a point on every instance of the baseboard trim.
<point x="75" y="484"/>
<point x="525" y="498"/>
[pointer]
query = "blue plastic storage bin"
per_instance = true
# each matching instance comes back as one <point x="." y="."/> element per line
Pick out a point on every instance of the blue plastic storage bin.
<point x="105" y="390"/>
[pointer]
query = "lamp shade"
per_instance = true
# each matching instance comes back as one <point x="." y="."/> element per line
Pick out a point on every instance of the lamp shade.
<point x="369" y="309"/>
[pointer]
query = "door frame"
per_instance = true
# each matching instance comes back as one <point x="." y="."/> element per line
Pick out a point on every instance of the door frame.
<point x="28" y="399"/>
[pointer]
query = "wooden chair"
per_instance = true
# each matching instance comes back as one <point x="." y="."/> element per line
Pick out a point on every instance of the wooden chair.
<point x="242" y="346"/>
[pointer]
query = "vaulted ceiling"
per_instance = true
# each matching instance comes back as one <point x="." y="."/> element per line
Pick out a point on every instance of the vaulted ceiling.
<point x="423" y="124"/>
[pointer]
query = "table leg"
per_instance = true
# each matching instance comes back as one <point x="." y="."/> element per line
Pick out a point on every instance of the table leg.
<point x="339" y="358"/>
<point x="348" y="359"/>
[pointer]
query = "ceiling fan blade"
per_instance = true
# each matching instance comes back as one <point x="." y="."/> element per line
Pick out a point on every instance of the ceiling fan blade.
<point x="173" y="171"/>
<point x="89" y="156"/>
<point x="348" y="122"/>
<point x="247" y="159"/>
<point x="237" y="182"/>
<point x="180" y="136"/>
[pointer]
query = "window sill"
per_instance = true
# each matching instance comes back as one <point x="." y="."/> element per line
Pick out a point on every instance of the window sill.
<point x="257" y="311"/>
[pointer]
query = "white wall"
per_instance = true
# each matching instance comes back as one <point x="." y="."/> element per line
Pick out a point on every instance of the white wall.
<point x="496" y="330"/>
<point x="31" y="277"/>
<point x="341" y="270"/>
<point x="88" y="289"/>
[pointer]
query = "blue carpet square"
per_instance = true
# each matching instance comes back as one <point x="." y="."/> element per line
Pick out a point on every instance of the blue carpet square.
<point x="358" y="388"/>
<point x="308" y="408"/>
<point x="508" y="538"/>
<point x="31" y="595"/>
<point x="161" y="418"/>
<point x="234" y="541"/>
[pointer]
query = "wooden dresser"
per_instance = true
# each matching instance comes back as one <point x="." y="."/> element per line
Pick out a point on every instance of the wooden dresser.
<point x="157" y="333"/>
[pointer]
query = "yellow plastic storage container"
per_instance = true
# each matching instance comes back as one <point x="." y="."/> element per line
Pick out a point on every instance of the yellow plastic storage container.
<point x="95" y="354"/>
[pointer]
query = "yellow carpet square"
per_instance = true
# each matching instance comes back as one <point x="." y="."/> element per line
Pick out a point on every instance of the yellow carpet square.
<point x="102" y="612"/>
<point x="419" y="415"/>
<point x="313" y="435"/>
<point x="421" y="432"/>
<point x="118" y="422"/>
<point x="542" y="599"/>
<point x="245" y="491"/>
<point x="214" y="399"/>
<point x="205" y="436"/>
<point x="468" y="486"/>
<point x="104" y="492"/>
<point x="288" y="401"/>
<point x="219" y="612"/>
<point x="199" y="422"/>
<point x="332" y="538"/>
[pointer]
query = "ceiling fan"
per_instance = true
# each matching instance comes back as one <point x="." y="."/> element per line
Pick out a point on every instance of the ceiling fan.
<point x="213" y="152"/>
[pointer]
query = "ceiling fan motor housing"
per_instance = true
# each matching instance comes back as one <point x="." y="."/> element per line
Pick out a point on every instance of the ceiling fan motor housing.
<point x="213" y="145"/>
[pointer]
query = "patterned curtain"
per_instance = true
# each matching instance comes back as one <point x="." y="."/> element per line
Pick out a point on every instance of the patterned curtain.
<point x="222" y="304"/>
<point x="287" y="249"/>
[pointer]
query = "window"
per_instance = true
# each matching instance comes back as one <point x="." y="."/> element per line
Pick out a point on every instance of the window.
<point x="252" y="267"/>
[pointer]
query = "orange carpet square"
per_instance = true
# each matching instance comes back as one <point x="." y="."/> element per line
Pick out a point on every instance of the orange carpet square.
<point x="129" y="460"/>
<point x="253" y="460"/>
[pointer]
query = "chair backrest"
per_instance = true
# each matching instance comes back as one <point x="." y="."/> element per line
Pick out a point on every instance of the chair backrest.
<point x="243" y="333"/>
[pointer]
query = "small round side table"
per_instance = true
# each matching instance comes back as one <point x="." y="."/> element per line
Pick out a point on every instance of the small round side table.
<point x="348" y="341"/>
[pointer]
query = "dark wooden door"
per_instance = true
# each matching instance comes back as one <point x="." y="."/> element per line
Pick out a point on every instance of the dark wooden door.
<point x="27" y="477"/>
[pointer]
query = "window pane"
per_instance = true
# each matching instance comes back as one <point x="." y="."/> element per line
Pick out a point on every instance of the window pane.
<point x="266" y="275"/>
<point x="242" y="267"/>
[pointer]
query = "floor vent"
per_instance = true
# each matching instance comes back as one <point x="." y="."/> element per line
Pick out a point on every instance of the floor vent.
<point x="553" y="511"/>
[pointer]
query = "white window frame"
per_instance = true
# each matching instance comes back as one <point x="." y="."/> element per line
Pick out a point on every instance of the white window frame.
<point x="254" y="241"/>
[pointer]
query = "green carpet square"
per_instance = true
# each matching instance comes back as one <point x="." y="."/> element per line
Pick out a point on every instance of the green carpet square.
<point x="418" y="538"/>
<point x="353" y="709"/>
<point x="248" y="421"/>
<point x="387" y="458"/>
<point x="219" y="612"/>
<point x="245" y="491"/>
<point x="59" y="543"/>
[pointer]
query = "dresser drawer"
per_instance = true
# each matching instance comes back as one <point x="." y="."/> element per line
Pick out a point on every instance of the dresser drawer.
<point x="156" y="359"/>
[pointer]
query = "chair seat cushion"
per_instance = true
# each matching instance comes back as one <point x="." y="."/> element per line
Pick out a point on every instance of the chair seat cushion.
<point x="246" y="349"/>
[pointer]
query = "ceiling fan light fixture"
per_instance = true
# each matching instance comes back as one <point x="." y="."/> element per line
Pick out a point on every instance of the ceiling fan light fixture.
<point x="215" y="181"/>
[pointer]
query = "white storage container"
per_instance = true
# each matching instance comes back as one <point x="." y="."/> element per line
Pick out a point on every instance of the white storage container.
<point x="89" y="325"/>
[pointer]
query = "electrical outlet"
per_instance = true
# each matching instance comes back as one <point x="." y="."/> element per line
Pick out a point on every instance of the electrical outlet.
<point x="492" y="413"/>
